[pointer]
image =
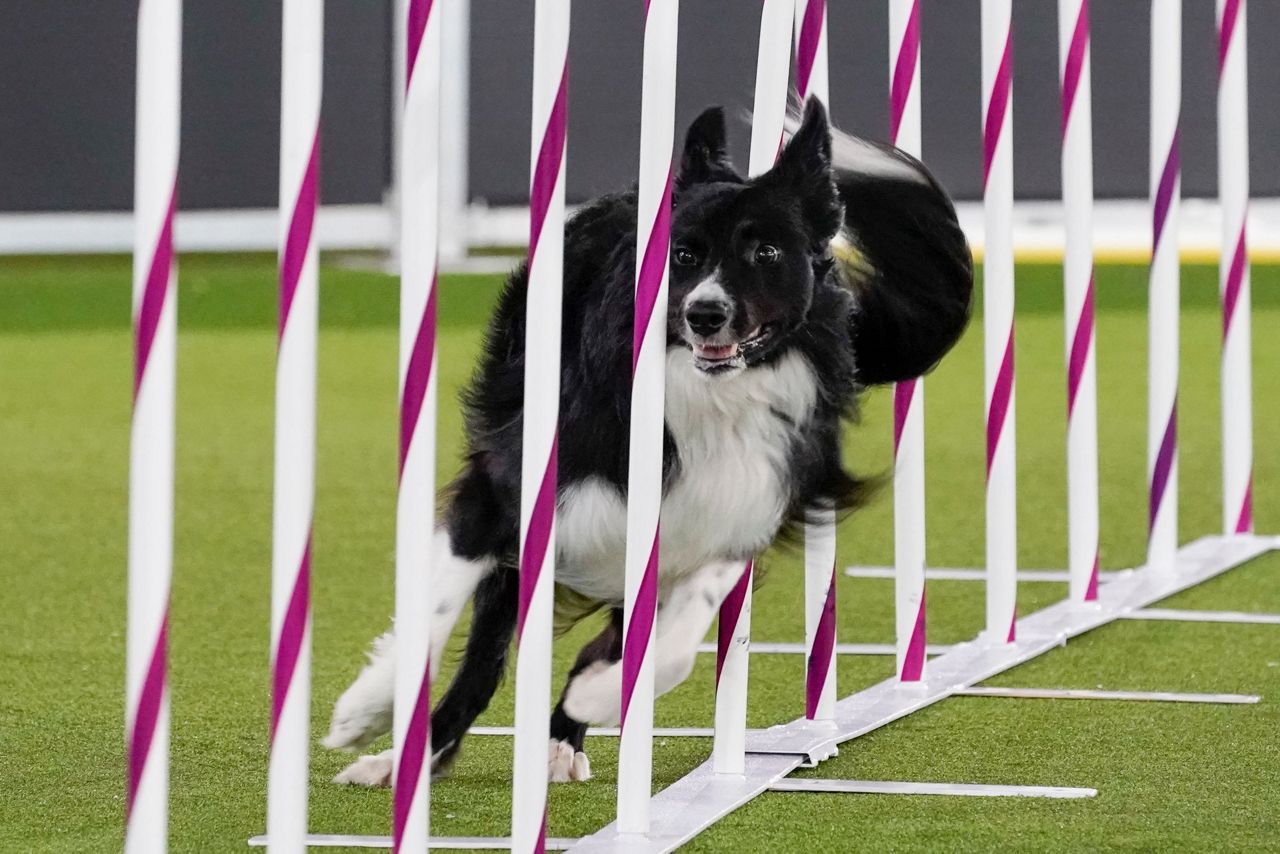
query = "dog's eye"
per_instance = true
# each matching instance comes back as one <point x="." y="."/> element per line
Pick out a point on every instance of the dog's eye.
<point x="685" y="257"/>
<point x="767" y="254"/>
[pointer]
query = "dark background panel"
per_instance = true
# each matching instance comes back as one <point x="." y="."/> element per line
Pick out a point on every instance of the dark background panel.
<point x="501" y="57"/>
<point x="1199" y="143"/>
<point x="1121" y="60"/>
<point x="1037" y="102"/>
<point x="66" y="96"/>
<point x="716" y="66"/>
<point x="231" y="103"/>
<point x="951" y="94"/>
<point x="66" y="105"/>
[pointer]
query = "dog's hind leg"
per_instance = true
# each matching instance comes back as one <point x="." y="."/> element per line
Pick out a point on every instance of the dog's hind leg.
<point x="492" y="624"/>
<point x="474" y="684"/>
<point x="363" y="712"/>
<point x="684" y="617"/>
<point x="566" y="760"/>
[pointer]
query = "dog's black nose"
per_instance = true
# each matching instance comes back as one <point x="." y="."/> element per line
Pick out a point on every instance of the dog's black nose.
<point x="707" y="317"/>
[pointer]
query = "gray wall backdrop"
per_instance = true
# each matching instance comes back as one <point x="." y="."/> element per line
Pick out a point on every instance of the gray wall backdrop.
<point x="66" y="95"/>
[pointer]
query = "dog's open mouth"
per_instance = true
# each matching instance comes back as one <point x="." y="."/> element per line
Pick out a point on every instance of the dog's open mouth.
<point x="722" y="358"/>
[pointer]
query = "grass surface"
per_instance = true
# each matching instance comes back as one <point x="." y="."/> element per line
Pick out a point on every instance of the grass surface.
<point x="1170" y="776"/>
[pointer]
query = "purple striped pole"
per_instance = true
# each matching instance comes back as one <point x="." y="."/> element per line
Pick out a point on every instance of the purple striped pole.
<point x="1162" y="429"/>
<point x="773" y="69"/>
<point x="812" y="67"/>
<point x="820" y="615"/>
<point x="541" y="421"/>
<point x="820" y="530"/>
<point x="1077" y="279"/>
<point x="998" y="297"/>
<point x="159" y="81"/>
<point x="733" y="650"/>
<point x="415" y="508"/>
<point x="295" y="435"/>
<point x="908" y="397"/>
<point x="648" y="389"/>
<point x="1233" y="269"/>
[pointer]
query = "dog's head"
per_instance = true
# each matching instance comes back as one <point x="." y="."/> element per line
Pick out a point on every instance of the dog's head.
<point x="745" y="253"/>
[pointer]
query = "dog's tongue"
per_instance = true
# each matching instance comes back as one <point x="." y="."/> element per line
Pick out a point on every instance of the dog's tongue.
<point x="716" y="353"/>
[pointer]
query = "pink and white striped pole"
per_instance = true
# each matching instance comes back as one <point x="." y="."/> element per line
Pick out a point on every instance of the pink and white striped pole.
<point x="1233" y="269"/>
<point x="648" y="389"/>
<point x="812" y="79"/>
<point x="1162" y="422"/>
<point x="768" y="121"/>
<point x="1078" y="290"/>
<point x="415" y="508"/>
<point x="541" y="423"/>
<point x="159" y="81"/>
<point x="812" y="66"/>
<point x="733" y="651"/>
<point x="908" y="397"/>
<point x="295" y="435"/>
<point x="998" y="298"/>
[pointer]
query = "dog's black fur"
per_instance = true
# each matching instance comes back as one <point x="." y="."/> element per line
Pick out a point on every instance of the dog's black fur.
<point x="883" y="303"/>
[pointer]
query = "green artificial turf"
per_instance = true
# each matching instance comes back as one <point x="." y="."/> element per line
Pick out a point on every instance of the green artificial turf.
<point x="1189" y="777"/>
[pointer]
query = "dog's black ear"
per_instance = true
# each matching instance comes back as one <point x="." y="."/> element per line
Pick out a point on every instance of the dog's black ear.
<point x="804" y="168"/>
<point x="705" y="154"/>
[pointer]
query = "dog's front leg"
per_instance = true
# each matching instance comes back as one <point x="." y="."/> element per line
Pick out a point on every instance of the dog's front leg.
<point x="566" y="761"/>
<point x="363" y="712"/>
<point x="684" y="617"/>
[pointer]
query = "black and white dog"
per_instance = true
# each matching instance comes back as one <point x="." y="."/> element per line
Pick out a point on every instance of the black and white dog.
<point x="840" y="268"/>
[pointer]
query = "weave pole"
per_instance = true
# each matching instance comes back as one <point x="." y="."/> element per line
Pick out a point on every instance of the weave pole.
<point x="1233" y="269"/>
<point x="733" y="651"/>
<point x="908" y="397"/>
<point x="1162" y="421"/>
<point x="998" y="296"/>
<point x="159" y="81"/>
<point x="648" y="389"/>
<point x="812" y="65"/>
<point x="812" y="79"/>
<point x="541" y="423"/>
<point x="295" y="434"/>
<point x="1078" y="295"/>
<point x="768" y="121"/>
<point x="415" y="507"/>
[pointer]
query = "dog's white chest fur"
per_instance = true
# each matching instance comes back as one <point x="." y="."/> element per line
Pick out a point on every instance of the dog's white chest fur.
<point x="733" y="436"/>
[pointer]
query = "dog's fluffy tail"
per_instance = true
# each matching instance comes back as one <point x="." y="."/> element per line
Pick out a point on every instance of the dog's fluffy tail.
<point x="902" y="253"/>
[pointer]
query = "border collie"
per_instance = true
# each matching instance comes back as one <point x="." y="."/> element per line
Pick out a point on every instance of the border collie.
<point x="841" y="268"/>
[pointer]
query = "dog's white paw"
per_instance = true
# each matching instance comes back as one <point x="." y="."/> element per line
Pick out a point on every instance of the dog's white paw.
<point x="594" y="694"/>
<point x="363" y="712"/>
<point x="356" y="723"/>
<point x="373" y="771"/>
<point x="566" y="766"/>
<point x="354" y="729"/>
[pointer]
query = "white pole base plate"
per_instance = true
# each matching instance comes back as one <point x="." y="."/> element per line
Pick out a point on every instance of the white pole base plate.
<point x="785" y="648"/>
<point x="451" y="843"/>
<point x="968" y="573"/>
<point x="1098" y="694"/>
<point x="614" y="732"/>
<point x="895" y="787"/>
<point x="1241" y="617"/>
